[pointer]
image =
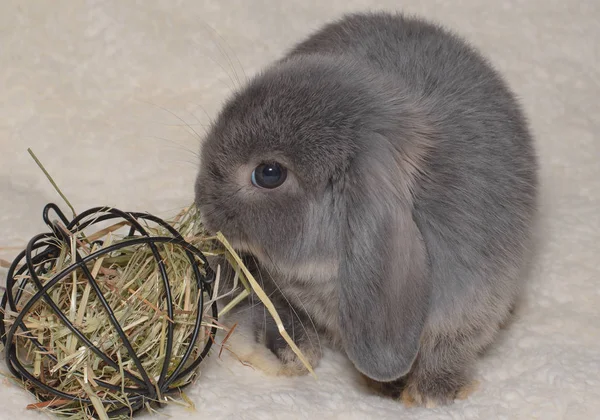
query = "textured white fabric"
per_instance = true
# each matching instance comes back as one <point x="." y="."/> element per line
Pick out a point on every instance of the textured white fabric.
<point x="98" y="89"/>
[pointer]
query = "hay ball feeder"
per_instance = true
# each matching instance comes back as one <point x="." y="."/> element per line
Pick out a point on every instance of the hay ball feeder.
<point x="104" y="324"/>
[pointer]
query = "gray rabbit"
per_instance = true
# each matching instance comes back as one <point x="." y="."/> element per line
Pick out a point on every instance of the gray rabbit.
<point x="381" y="180"/>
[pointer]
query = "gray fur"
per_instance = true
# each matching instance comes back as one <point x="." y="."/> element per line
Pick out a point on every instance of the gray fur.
<point x="405" y="223"/>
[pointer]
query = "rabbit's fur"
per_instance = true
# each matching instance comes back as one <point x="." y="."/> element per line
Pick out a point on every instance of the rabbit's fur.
<point x="403" y="227"/>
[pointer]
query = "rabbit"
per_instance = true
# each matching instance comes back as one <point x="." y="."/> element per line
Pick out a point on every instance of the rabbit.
<point x="382" y="181"/>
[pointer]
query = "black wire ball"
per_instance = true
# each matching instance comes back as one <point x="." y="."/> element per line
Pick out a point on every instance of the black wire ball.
<point x="32" y="281"/>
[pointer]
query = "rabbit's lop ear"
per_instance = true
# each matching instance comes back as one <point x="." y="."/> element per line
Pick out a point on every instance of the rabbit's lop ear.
<point x="384" y="282"/>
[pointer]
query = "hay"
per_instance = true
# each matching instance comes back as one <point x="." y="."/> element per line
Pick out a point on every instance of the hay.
<point x="129" y="280"/>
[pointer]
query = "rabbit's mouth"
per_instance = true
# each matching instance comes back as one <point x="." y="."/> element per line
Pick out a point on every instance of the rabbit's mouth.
<point x="237" y="240"/>
<point x="242" y="245"/>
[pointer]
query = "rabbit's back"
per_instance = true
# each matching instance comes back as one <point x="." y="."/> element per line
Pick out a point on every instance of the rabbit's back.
<point x="476" y="199"/>
<point x="430" y="60"/>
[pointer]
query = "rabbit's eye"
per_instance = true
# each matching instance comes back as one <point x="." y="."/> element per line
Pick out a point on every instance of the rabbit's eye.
<point x="269" y="175"/>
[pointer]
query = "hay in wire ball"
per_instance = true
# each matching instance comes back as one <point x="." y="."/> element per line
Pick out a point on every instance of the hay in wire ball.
<point x="100" y="323"/>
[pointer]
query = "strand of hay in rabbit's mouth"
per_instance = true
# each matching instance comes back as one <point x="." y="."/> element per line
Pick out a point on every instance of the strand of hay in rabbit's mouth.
<point x="131" y="283"/>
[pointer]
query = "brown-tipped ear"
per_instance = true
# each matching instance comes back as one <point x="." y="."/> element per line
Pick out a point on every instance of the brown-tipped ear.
<point x="384" y="280"/>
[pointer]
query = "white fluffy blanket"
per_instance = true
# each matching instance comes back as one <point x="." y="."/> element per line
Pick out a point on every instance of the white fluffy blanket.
<point x="103" y="91"/>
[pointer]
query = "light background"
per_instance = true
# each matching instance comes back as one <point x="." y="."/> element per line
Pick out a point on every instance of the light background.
<point x="93" y="87"/>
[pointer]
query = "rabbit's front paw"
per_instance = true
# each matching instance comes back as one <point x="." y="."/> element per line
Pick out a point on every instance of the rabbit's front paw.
<point x="284" y="363"/>
<point x="273" y="355"/>
<point x="291" y="365"/>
